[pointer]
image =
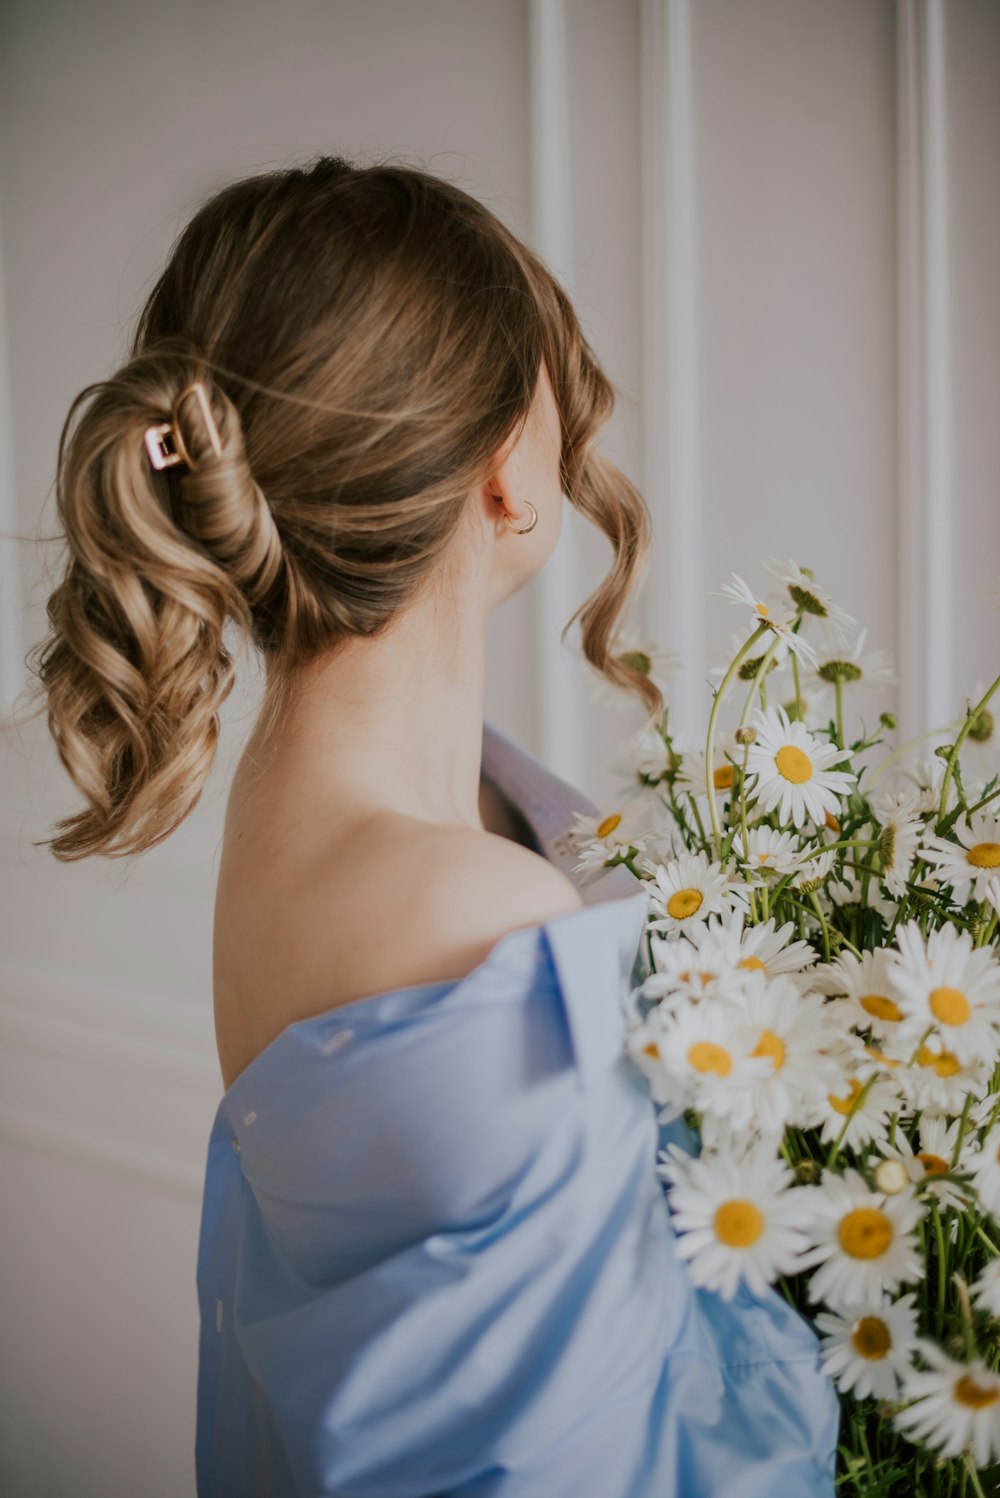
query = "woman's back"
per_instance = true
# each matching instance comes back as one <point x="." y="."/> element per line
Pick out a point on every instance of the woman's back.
<point x="435" y="1256"/>
<point x="308" y="894"/>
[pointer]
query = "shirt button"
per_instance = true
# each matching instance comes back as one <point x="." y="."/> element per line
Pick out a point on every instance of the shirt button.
<point x="235" y="1144"/>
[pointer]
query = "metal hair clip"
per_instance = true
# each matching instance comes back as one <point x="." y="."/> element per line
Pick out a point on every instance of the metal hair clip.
<point x="164" y="442"/>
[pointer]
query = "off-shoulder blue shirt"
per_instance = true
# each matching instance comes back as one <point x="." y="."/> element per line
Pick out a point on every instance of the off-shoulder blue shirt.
<point x="435" y="1257"/>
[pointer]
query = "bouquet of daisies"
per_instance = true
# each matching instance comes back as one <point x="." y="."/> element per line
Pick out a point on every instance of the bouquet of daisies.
<point x="823" y="1005"/>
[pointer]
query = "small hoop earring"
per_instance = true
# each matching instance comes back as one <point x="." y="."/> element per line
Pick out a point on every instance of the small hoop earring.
<point x="522" y="530"/>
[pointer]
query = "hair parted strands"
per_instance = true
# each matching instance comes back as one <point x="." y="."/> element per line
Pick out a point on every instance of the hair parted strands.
<point x="369" y="338"/>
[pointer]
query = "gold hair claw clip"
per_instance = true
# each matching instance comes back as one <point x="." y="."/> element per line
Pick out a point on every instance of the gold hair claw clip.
<point x="164" y="442"/>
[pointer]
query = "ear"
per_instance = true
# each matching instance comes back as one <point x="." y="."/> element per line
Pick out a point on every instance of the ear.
<point x="505" y="490"/>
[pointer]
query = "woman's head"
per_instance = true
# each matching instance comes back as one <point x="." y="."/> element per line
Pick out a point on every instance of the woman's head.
<point x="374" y="345"/>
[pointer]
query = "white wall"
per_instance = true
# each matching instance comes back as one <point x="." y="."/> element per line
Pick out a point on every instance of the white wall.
<point x="740" y="250"/>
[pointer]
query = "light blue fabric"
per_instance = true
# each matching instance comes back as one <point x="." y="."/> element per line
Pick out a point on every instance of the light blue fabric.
<point x="435" y="1258"/>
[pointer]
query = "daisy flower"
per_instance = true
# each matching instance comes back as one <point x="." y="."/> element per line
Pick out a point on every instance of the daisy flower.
<point x="937" y="1082"/>
<point x="929" y="1166"/>
<point x="792" y="769"/>
<point x="778" y="621"/>
<point x="925" y="777"/>
<point x="705" y="1061"/>
<point x="647" y="755"/>
<point x="693" y="967"/>
<point x="984" y="1164"/>
<point x="815" y="871"/>
<point x="865" y="984"/>
<point x="809" y="598"/>
<point x="599" y="837"/>
<point x="849" y="665"/>
<point x="792" y="1032"/>
<point x="768" y="851"/>
<point x="738" y="1220"/>
<point x="954" y="1405"/>
<point x="949" y="985"/>
<point x="643" y="655"/>
<point x="869" y="1119"/>
<point x="971" y="860"/>
<point x="764" y="948"/>
<point x="985" y="1289"/>
<point x="687" y="891"/>
<point x="863" y="1240"/>
<point x="869" y="1347"/>
<point x="899" y="841"/>
<point x="692" y="778"/>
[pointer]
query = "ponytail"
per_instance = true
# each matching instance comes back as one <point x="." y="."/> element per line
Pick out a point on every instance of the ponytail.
<point x="135" y="668"/>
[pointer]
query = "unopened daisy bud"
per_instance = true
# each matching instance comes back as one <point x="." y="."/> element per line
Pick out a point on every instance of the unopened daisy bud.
<point x="807" y="1172"/>
<point x="943" y="751"/>
<point x="981" y="728"/>
<point x="887" y="720"/>
<point x="746" y="735"/>
<point x="891" y="1177"/>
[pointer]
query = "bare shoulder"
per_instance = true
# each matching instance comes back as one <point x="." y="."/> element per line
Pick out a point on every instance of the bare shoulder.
<point x="401" y="903"/>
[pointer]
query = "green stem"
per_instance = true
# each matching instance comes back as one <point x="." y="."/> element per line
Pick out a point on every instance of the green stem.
<point x="713" y="719"/>
<point x="799" y="712"/>
<point x="949" y="769"/>
<point x="824" y="928"/>
<point x="838" y="687"/>
<point x="858" y="1099"/>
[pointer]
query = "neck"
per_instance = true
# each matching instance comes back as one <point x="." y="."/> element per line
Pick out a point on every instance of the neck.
<point x="390" y="723"/>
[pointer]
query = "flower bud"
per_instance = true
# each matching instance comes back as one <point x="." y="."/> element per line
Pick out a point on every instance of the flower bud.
<point x="888" y="720"/>
<point x="746" y="735"/>
<point x="891" y="1176"/>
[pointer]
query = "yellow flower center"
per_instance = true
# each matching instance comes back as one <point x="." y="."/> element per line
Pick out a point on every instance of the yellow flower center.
<point x="881" y="1007"/>
<point x="984" y="856"/>
<point x="831" y="822"/>
<point x="843" y="1104"/>
<point x="946" y="1064"/>
<point x="934" y="1165"/>
<point x="738" y="1223"/>
<point x="975" y="1396"/>
<point x="771" y="1045"/>
<point x="723" y="778"/>
<point x="870" y="1337"/>
<point x="651" y="1049"/>
<point x="705" y="1055"/>
<point x="684" y="903"/>
<point x="793" y="765"/>
<point x="762" y="608"/>
<point x="865" y="1233"/>
<point x="950" y="1006"/>
<point x="753" y="964"/>
<point x="608" y="825"/>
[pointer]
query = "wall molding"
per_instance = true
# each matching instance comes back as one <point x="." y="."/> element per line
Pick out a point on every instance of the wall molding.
<point x="12" y="672"/>
<point x="675" y="603"/>
<point x="559" y="679"/>
<point x="925" y="589"/>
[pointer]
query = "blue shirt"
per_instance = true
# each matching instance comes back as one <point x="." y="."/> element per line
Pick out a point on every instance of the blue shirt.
<point x="435" y="1257"/>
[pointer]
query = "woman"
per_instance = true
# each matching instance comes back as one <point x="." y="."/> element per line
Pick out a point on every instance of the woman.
<point x="435" y="1257"/>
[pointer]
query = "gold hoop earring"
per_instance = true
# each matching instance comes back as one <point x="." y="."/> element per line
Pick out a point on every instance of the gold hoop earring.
<point x="522" y="530"/>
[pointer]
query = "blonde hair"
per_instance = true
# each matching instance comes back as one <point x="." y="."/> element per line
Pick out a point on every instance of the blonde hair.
<point x="368" y="336"/>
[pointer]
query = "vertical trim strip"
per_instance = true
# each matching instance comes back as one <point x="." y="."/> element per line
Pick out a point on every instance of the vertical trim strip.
<point x="939" y="587"/>
<point x="910" y="651"/>
<point x="559" y="681"/>
<point x="12" y="676"/>
<point x="925" y="588"/>
<point x="671" y="335"/>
